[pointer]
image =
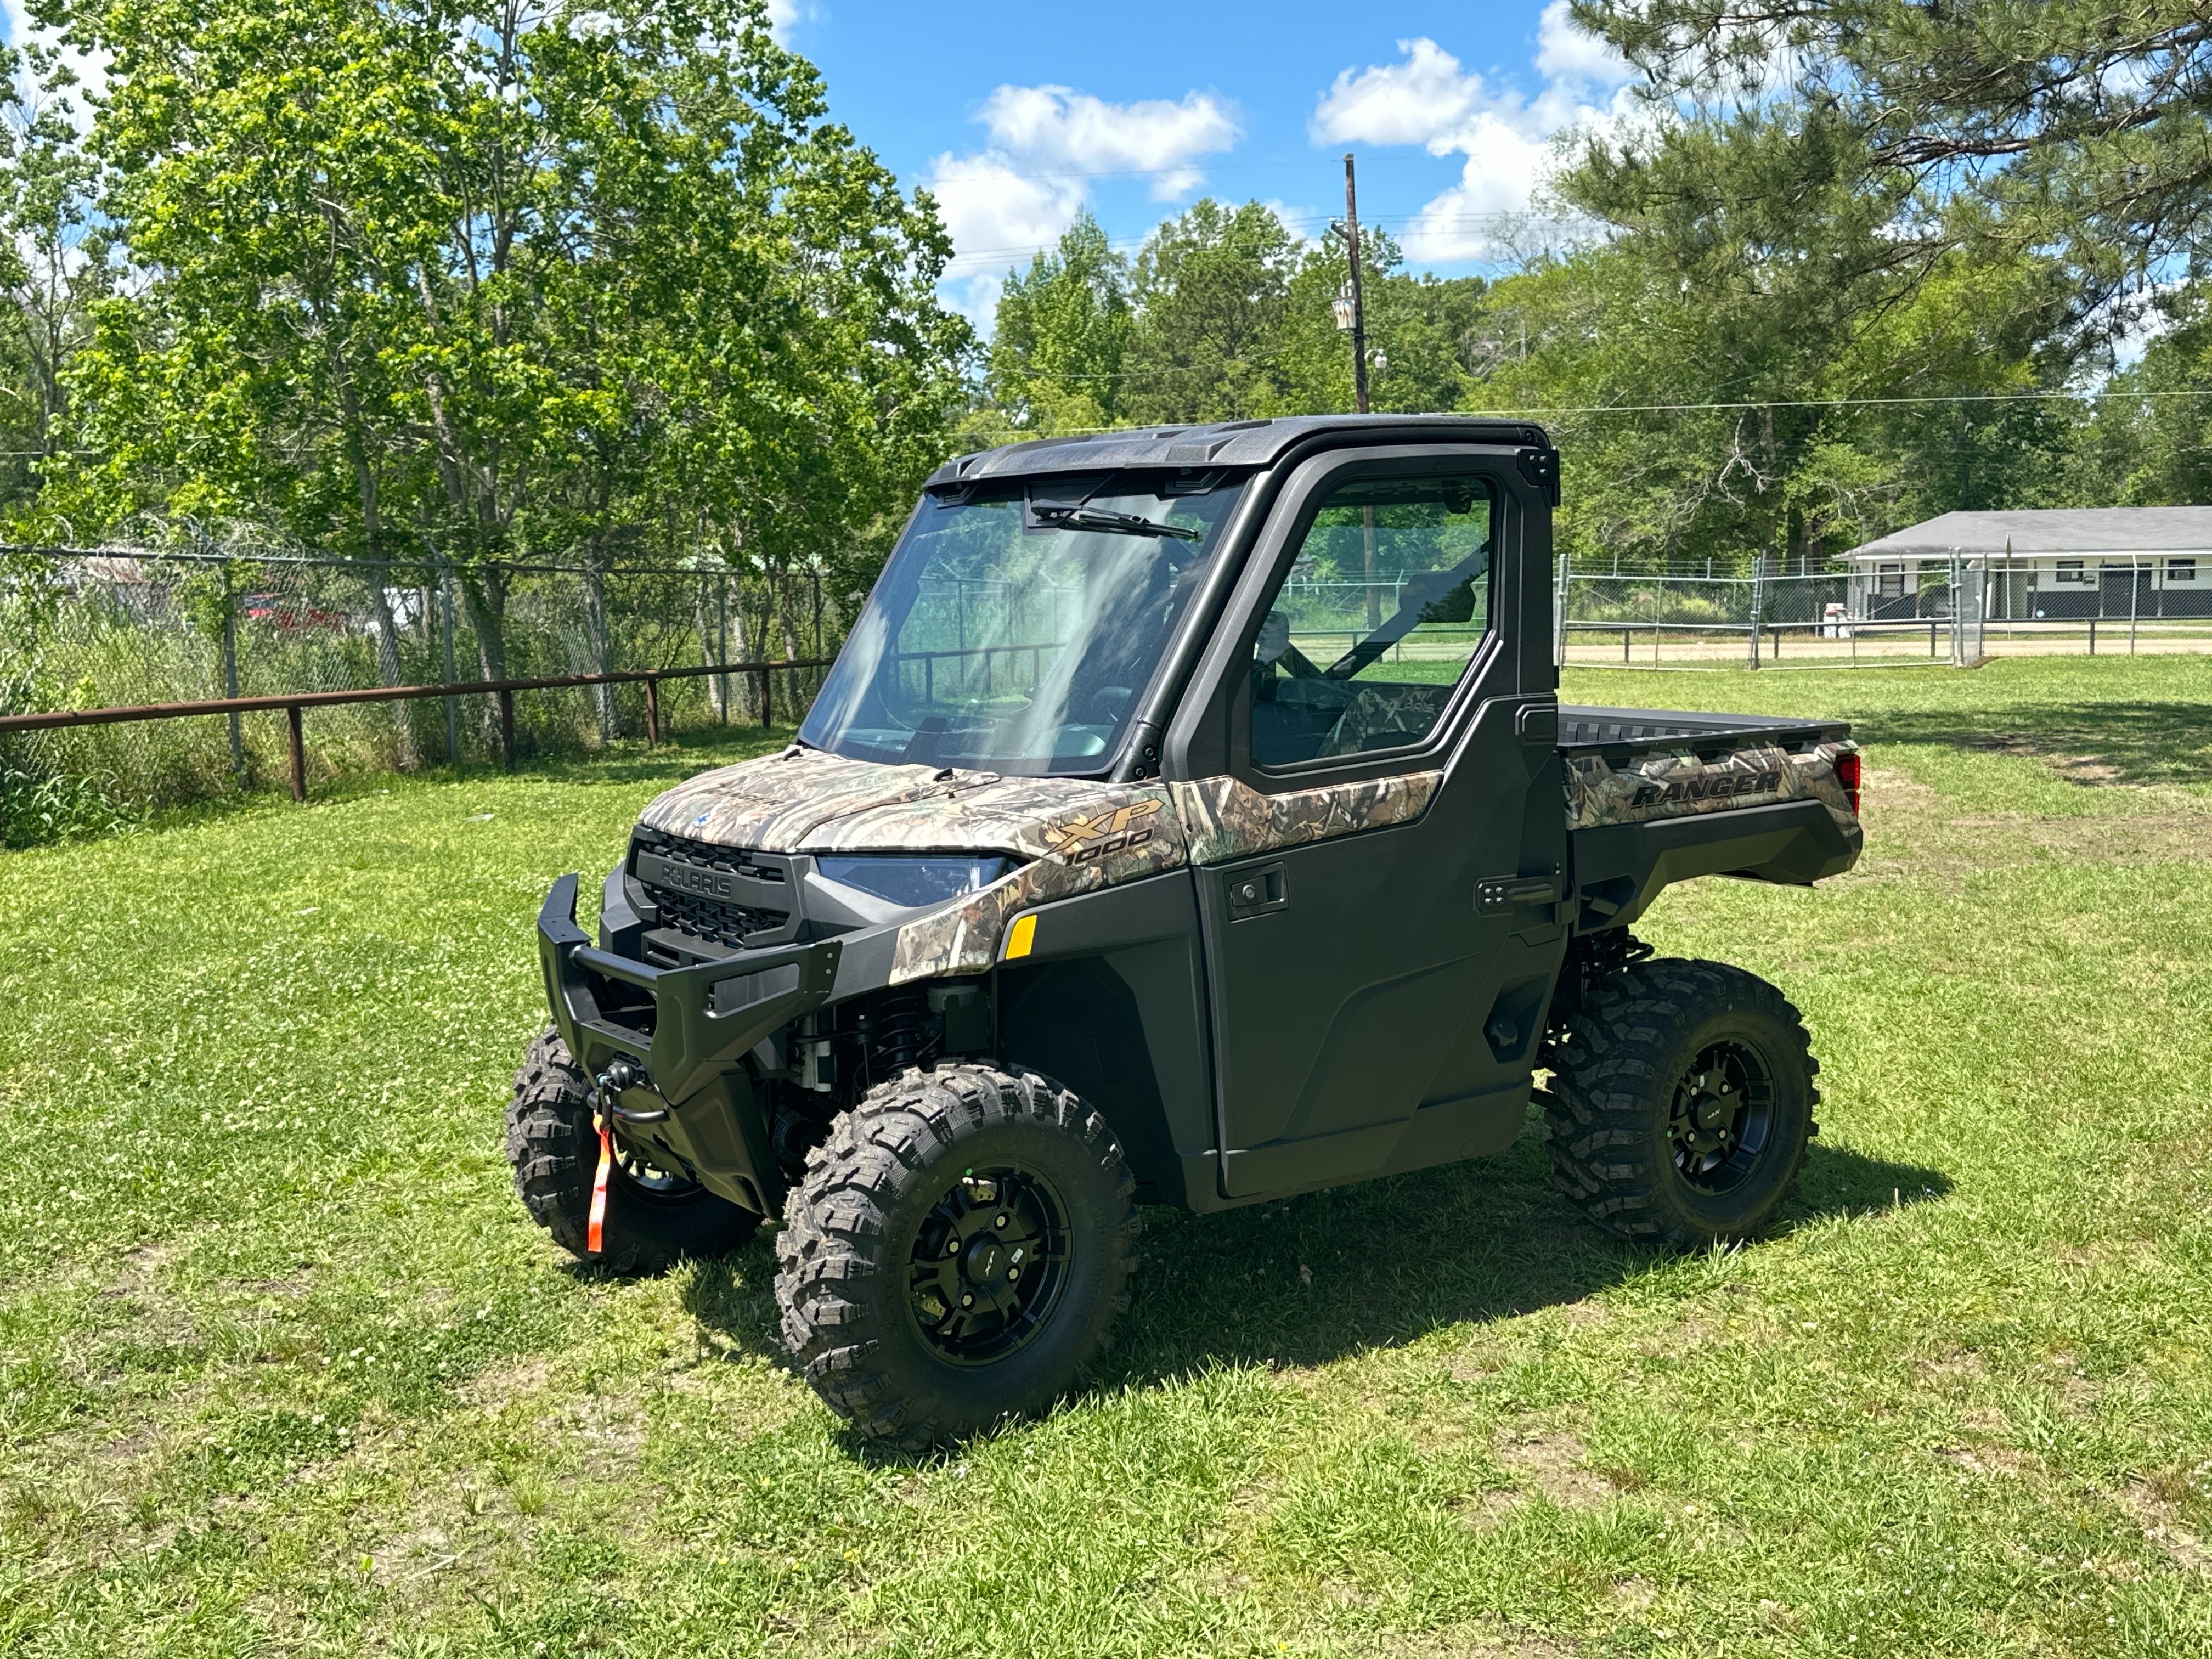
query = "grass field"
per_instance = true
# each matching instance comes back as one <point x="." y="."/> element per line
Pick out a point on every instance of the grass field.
<point x="286" y="1370"/>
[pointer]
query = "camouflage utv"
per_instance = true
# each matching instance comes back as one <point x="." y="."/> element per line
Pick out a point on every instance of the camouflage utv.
<point x="1189" y="819"/>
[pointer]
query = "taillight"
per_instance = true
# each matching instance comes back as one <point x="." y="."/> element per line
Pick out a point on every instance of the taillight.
<point x="1847" y="773"/>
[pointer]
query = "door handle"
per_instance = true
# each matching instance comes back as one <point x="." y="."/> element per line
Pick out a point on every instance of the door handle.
<point x="1253" y="893"/>
<point x="1498" y="895"/>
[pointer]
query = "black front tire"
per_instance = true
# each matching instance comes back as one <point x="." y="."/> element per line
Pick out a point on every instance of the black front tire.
<point x="868" y="1281"/>
<point x="554" y="1150"/>
<point x="1681" y="1103"/>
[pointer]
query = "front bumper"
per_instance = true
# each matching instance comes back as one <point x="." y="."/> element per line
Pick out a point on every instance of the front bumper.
<point x="687" y="1028"/>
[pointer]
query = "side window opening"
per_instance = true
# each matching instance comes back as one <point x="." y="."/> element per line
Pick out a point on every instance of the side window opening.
<point x="1376" y="620"/>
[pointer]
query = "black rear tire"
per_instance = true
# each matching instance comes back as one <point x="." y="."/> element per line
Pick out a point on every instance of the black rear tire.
<point x="1681" y="1103"/>
<point x="943" y="1185"/>
<point x="651" y="1219"/>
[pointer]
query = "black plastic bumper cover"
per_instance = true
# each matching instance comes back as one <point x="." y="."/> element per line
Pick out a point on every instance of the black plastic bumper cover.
<point x="685" y="1026"/>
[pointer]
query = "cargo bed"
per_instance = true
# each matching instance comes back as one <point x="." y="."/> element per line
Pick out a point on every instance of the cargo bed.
<point x="1656" y="796"/>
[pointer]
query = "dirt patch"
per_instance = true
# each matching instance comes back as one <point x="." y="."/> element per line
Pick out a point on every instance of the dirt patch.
<point x="1485" y="1643"/>
<point x="2162" y="1525"/>
<point x="502" y="1386"/>
<point x="1949" y="1371"/>
<point x="1999" y="1462"/>
<point x="1555" y="1463"/>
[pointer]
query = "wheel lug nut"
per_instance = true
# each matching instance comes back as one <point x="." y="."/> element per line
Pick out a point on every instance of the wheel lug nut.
<point x="1013" y="1274"/>
<point x="1000" y="1222"/>
<point x="968" y="1301"/>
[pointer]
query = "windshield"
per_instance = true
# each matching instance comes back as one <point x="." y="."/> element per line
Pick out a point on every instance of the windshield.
<point x="1014" y="631"/>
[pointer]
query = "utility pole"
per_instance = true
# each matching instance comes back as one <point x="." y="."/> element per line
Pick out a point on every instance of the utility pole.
<point x="1358" y="306"/>
<point x="1352" y="314"/>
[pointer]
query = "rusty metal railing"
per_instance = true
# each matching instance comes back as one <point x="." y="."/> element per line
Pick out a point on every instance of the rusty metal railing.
<point x="295" y="704"/>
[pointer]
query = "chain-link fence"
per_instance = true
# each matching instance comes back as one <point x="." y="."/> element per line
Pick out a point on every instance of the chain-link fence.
<point x="81" y="629"/>
<point x="1957" y="612"/>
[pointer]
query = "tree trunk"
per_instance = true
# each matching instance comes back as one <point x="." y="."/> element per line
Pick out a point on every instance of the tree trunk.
<point x="484" y="597"/>
<point x="745" y="691"/>
<point x="795" y="697"/>
<point x="388" y="669"/>
<point x="595" y="629"/>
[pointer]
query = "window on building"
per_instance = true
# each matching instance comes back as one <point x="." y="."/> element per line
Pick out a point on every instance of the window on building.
<point x="2072" y="570"/>
<point x="2181" y="570"/>
<point x="1889" y="581"/>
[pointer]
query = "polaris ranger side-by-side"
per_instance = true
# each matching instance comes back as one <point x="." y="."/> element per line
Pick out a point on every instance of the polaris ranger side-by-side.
<point x="1190" y="818"/>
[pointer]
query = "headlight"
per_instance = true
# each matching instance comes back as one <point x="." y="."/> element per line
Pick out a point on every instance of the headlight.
<point x="914" y="880"/>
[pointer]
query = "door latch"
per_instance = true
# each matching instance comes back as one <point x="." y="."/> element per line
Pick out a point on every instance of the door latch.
<point x="1497" y="895"/>
<point x="1251" y="892"/>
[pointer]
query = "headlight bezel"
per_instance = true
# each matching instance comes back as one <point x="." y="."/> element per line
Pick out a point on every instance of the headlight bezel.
<point x="915" y="881"/>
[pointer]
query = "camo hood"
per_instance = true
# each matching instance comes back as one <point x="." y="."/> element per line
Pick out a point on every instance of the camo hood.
<point x="806" y="800"/>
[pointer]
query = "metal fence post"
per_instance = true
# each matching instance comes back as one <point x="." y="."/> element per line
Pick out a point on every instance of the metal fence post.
<point x="506" y="728"/>
<point x="230" y="664"/>
<point x="299" y="751"/>
<point x="651" y="713"/>
<point x="1757" y="604"/>
<point x="1558" y="612"/>
<point x="2135" y="587"/>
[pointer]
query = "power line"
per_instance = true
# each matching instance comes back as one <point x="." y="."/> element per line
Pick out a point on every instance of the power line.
<point x="1845" y="403"/>
<point x="1513" y="412"/>
<point x="1149" y="172"/>
<point x="1124" y="244"/>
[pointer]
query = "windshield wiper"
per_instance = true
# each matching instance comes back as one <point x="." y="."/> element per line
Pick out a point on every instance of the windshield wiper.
<point x="1120" y="523"/>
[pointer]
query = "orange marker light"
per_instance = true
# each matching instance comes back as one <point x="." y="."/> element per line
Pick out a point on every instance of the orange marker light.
<point x="1020" y="937"/>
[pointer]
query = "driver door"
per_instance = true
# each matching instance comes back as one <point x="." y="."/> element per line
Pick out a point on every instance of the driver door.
<point x="1379" y="856"/>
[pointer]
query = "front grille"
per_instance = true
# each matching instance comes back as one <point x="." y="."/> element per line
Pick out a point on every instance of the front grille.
<point x="707" y="856"/>
<point x="712" y="920"/>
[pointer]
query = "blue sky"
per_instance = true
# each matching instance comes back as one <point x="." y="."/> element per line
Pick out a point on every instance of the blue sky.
<point x="1022" y="115"/>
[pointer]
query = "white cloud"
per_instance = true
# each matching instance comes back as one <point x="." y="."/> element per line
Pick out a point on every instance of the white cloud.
<point x="1017" y="195"/>
<point x="1565" y="52"/>
<point x="1509" y="140"/>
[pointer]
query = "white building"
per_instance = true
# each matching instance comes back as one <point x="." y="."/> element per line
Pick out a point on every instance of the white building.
<point x="2116" y="561"/>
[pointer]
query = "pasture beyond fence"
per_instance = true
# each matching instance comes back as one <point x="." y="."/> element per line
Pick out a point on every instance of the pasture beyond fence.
<point x="1961" y="615"/>
<point x="406" y="664"/>
<point x="403" y="663"/>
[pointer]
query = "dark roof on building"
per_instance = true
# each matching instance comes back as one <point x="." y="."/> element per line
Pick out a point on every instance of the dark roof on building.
<point x="1232" y="443"/>
<point x="2063" y="529"/>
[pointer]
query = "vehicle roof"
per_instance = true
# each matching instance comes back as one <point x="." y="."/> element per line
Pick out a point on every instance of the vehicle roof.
<point x="1228" y="443"/>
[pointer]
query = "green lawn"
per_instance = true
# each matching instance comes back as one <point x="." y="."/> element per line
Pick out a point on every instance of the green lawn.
<point x="286" y="1370"/>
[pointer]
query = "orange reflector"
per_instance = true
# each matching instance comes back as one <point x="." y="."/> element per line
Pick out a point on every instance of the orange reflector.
<point x="1020" y="937"/>
<point x="595" y="1230"/>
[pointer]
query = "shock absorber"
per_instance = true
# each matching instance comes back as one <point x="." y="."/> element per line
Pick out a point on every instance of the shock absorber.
<point x="901" y="1033"/>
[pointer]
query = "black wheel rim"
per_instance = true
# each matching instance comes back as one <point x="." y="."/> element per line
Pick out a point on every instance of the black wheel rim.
<point x="989" y="1265"/>
<point x="635" y="1172"/>
<point x="1721" y="1120"/>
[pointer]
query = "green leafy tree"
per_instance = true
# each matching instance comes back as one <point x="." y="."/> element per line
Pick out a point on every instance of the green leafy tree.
<point x="487" y="284"/>
<point x="1211" y="291"/>
<point x="54" y="263"/>
<point x="2068" y="123"/>
<point x="1060" y="342"/>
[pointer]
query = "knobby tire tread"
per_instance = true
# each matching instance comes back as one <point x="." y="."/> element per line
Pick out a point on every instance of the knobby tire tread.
<point x="836" y="1223"/>
<point x="554" y="1152"/>
<point x="1616" y="1058"/>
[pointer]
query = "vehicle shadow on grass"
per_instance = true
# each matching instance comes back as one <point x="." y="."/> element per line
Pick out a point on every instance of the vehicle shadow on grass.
<point x="2089" y="743"/>
<point x="1389" y="1261"/>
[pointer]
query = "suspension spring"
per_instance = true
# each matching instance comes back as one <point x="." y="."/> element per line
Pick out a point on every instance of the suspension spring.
<point x="901" y="1035"/>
